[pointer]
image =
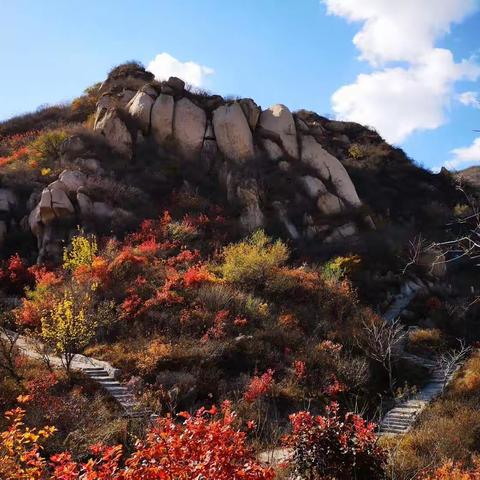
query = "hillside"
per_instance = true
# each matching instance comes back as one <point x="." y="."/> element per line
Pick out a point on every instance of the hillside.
<point x="470" y="175"/>
<point x="218" y="253"/>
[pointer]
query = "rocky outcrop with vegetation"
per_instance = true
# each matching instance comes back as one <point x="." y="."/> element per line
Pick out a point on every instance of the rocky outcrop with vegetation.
<point x="297" y="174"/>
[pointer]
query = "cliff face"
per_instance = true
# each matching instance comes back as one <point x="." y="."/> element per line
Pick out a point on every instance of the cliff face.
<point x="275" y="169"/>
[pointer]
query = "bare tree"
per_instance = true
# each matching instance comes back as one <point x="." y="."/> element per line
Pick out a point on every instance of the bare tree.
<point x="381" y="341"/>
<point x="451" y="360"/>
<point x="466" y="244"/>
<point x="9" y="352"/>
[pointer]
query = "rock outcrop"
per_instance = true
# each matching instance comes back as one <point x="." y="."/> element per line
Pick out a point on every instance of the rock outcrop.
<point x="232" y="132"/>
<point x="116" y="132"/>
<point x="271" y="164"/>
<point x="8" y="203"/>
<point x="189" y="126"/>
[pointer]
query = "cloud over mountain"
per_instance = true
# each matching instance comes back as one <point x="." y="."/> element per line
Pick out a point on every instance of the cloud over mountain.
<point x="413" y="81"/>
<point x="164" y="66"/>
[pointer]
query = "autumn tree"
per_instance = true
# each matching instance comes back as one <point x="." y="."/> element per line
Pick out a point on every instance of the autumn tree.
<point x="82" y="252"/>
<point x="68" y="328"/>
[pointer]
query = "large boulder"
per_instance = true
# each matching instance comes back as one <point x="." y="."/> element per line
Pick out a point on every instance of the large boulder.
<point x="313" y="186"/>
<point x="251" y="110"/>
<point x="35" y="221"/>
<point x="282" y="216"/>
<point x="140" y="108"/>
<point x="84" y="204"/>
<point x="233" y="133"/>
<point x="72" y="180"/>
<point x="162" y="118"/>
<point x="342" y="233"/>
<point x="279" y="121"/>
<point x="55" y="204"/>
<point x="330" y="204"/>
<point x="189" y="126"/>
<point x="329" y="169"/>
<point x="113" y="128"/>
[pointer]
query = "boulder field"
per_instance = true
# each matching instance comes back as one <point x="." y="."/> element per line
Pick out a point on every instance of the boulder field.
<point x="269" y="163"/>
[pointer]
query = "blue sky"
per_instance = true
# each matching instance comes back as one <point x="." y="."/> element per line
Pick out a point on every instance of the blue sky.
<point x="304" y="53"/>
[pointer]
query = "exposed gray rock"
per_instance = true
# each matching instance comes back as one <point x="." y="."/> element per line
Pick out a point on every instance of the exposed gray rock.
<point x="61" y="204"/>
<point x="248" y="196"/>
<point x="176" y="84"/>
<point x="251" y="111"/>
<point x="35" y="221"/>
<point x="112" y="127"/>
<point x="232" y="132"/>
<point x="47" y="214"/>
<point x="313" y="186"/>
<point x="279" y="120"/>
<point x="285" y="221"/>
<point x="209" y="153"/>
<point x="73" y="180"/>
<point x="125" y="97"/>
<point x="162" y="118"/>
<point x="329" y="169"/>
<point x="84" y="204"/>
<point x="149" y="90"/>
<point x="330" y="204"/>
<point x="140" y="108"/>
<point x="189" y="126"/>
<point x="341" y="233"/>
<point x="54" y="203"/>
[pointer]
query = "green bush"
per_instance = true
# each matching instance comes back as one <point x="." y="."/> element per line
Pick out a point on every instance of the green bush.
<point x="253" y="260"/>
<point x="46" y="148"/>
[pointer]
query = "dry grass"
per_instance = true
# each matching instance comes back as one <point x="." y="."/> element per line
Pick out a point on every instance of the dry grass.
<point x="426" y="339"/>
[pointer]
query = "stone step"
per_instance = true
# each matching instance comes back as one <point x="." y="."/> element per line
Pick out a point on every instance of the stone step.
<point x="395" y="425"/>
<point x="397" y="416"/>
<point x="394" y="430"/>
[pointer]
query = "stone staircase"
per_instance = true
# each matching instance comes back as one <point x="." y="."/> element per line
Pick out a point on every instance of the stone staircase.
<point x="117" y="391"/>
<point x="103" y="373"/>
<point x="400" y="419"/>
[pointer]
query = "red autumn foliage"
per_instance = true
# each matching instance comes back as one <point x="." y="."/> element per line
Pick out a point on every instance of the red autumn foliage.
<point x="300" y="369"/>
<point x="15" y="275"/>
<point x="335" y="446"/>
<point x="259" y="386"/>
<point x="334" y="387"/>
<point x="195" y="276"/>
<point x="206" y="445"/>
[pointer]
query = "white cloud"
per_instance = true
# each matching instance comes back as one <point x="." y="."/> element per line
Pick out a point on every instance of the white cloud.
<point x="470" y="99"/>
<point x="399" y="30"/>
<point x="164" y="66"/>
<point x="399" y="100"/>
<point x="465" y="156"/>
